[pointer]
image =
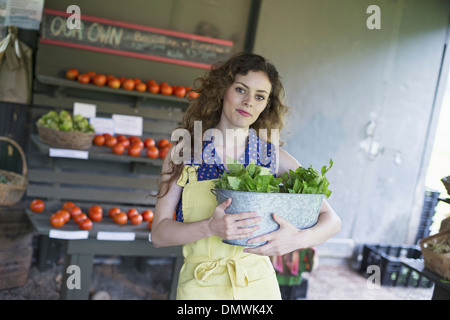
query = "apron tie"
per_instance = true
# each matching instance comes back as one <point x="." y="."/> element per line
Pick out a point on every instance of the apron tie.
<point x="208" y="267"/>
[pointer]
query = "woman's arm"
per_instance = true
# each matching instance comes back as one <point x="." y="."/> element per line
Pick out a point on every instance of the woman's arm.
<point x="168" y="232"/>
<point x="288" y="238"/>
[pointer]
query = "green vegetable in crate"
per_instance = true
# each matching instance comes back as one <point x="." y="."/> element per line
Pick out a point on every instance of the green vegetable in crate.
<point x="64" y="122"/>
<point x="442" y="246"/>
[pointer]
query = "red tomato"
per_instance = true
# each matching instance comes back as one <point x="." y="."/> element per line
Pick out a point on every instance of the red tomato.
<point x="180" y="92"/>
<point x="138" y="143"/>
<point x="133" y="139"/>
<point x="149" y="142"/>
<point x="132" y="212"/>
<point x="125" y="142"/>
<point x="152" y="152"/>
<point x="68" y="206"/>
<point x="86" y="224"/>
<point x="162" y="143"/>
<point x="166" y="90"/>
<point x="75" y="211"/>
<point x="113" y="211"/>
<point x="134" y="150"/>
<point x="84" y="78"/>
<point x="65" y="214"/>
<point x="150" y="82"/>
<point x="163" y="152"/>
<point x="147" y="215"/>
<point x="37" y="205"/>
<point x="193" y="95"/>
<point x="72" y="74"/>
<point x="99" y="140"/>
<point x="99" y="79"/>
<point x="141" y="87"/>
<point x="136" y="219"/>
<point x="120" y="218"/>
<point x="114" y="83"/>
<point x="149" y="225"/>
<point x="95" y="213"/>
<point x="118" y="148"/>
<point x="154" y="88"/>
<point x="110" y="141"/>
<point x="91" y="74"/>
<point x="79" y="217"/>
<point x="128" y="84"/>
<point x="120" y="137"/>
<point x="57" y="220"/>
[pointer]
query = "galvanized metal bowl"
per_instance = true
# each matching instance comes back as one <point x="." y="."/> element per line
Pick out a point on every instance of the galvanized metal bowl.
<point x="301" y="210"/>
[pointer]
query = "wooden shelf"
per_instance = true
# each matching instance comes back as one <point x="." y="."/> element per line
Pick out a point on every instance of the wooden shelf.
<point x="102" y="153"/>
<point x="143" y="96"/>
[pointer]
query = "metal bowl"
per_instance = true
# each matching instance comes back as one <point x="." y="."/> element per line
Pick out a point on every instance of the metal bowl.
<point x="301" y="210"/>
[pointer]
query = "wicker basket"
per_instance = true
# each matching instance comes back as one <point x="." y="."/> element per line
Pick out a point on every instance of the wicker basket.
<point x="438" y="262"/>
<point x="12" y="192"/>
<point x="446" y="182"/>
<point x="65" y="139"/>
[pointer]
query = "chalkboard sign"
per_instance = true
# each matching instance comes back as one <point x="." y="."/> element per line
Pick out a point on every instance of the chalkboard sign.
<point x="122" y="38"/>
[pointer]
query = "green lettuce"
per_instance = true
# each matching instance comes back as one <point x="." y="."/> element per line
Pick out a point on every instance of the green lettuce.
<point x="254" y="178"/>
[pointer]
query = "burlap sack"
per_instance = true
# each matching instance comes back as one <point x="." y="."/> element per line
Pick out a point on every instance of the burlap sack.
<point x="15" y="69"/>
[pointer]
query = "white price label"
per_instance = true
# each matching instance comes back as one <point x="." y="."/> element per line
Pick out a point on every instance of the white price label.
<point x="128" y="125"/>
<point x="84" y="109"/>
<point x="68" y="235"/>
<point x="68" y="153"/>
<point x="116" y="236"/>
<point x="102" y="125"/>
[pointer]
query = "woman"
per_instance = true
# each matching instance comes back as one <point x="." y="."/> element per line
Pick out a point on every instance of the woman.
<point x="242" y="93"/>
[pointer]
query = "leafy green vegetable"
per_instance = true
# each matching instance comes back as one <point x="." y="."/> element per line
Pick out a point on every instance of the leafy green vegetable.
<point x="252" y="178"/>
<point x="256" y="178"/>
<point x="304" y="180"/>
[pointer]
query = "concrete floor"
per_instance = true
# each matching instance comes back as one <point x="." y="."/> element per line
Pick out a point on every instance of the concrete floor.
<point x="116" y="281"/>
<point x="340" y="282"/>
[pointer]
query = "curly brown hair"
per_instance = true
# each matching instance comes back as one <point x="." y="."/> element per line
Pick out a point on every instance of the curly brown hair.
<point x="207" y="107"/>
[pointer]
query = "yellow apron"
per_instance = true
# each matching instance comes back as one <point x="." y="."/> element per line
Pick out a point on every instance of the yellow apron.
<point x="213" y="269"/>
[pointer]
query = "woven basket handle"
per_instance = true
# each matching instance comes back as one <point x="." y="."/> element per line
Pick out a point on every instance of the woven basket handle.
<point x="24" y="161"/>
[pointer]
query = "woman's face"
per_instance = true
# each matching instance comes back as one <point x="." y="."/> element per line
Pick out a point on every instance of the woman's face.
<point x="245" y="99"/>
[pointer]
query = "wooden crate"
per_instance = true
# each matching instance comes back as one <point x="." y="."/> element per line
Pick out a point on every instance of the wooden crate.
<point x="15" y="247"/>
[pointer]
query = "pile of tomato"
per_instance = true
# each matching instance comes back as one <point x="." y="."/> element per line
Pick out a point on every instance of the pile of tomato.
<point x="70" y="210"/>
<point x="133" y="145"/>
<point x="131" y="84"/>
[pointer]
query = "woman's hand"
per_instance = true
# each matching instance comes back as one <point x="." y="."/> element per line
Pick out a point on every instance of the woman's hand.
<point x="288" y="238"/>
<point x="232" y="226"/>
<point x="284" y="240"/>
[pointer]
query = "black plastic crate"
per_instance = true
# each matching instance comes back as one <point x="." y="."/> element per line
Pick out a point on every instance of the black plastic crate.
<point x="431" y="199"/>
<point x="390" y="260"/>
<point x="294" y="292"/>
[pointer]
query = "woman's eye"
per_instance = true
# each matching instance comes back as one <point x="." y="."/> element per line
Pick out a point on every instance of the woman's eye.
<point x="240" y="90"/>
<point x="260" y="97"/>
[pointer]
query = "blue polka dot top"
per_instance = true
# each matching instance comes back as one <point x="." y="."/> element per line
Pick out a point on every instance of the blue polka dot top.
<point x="257" y="151"/>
